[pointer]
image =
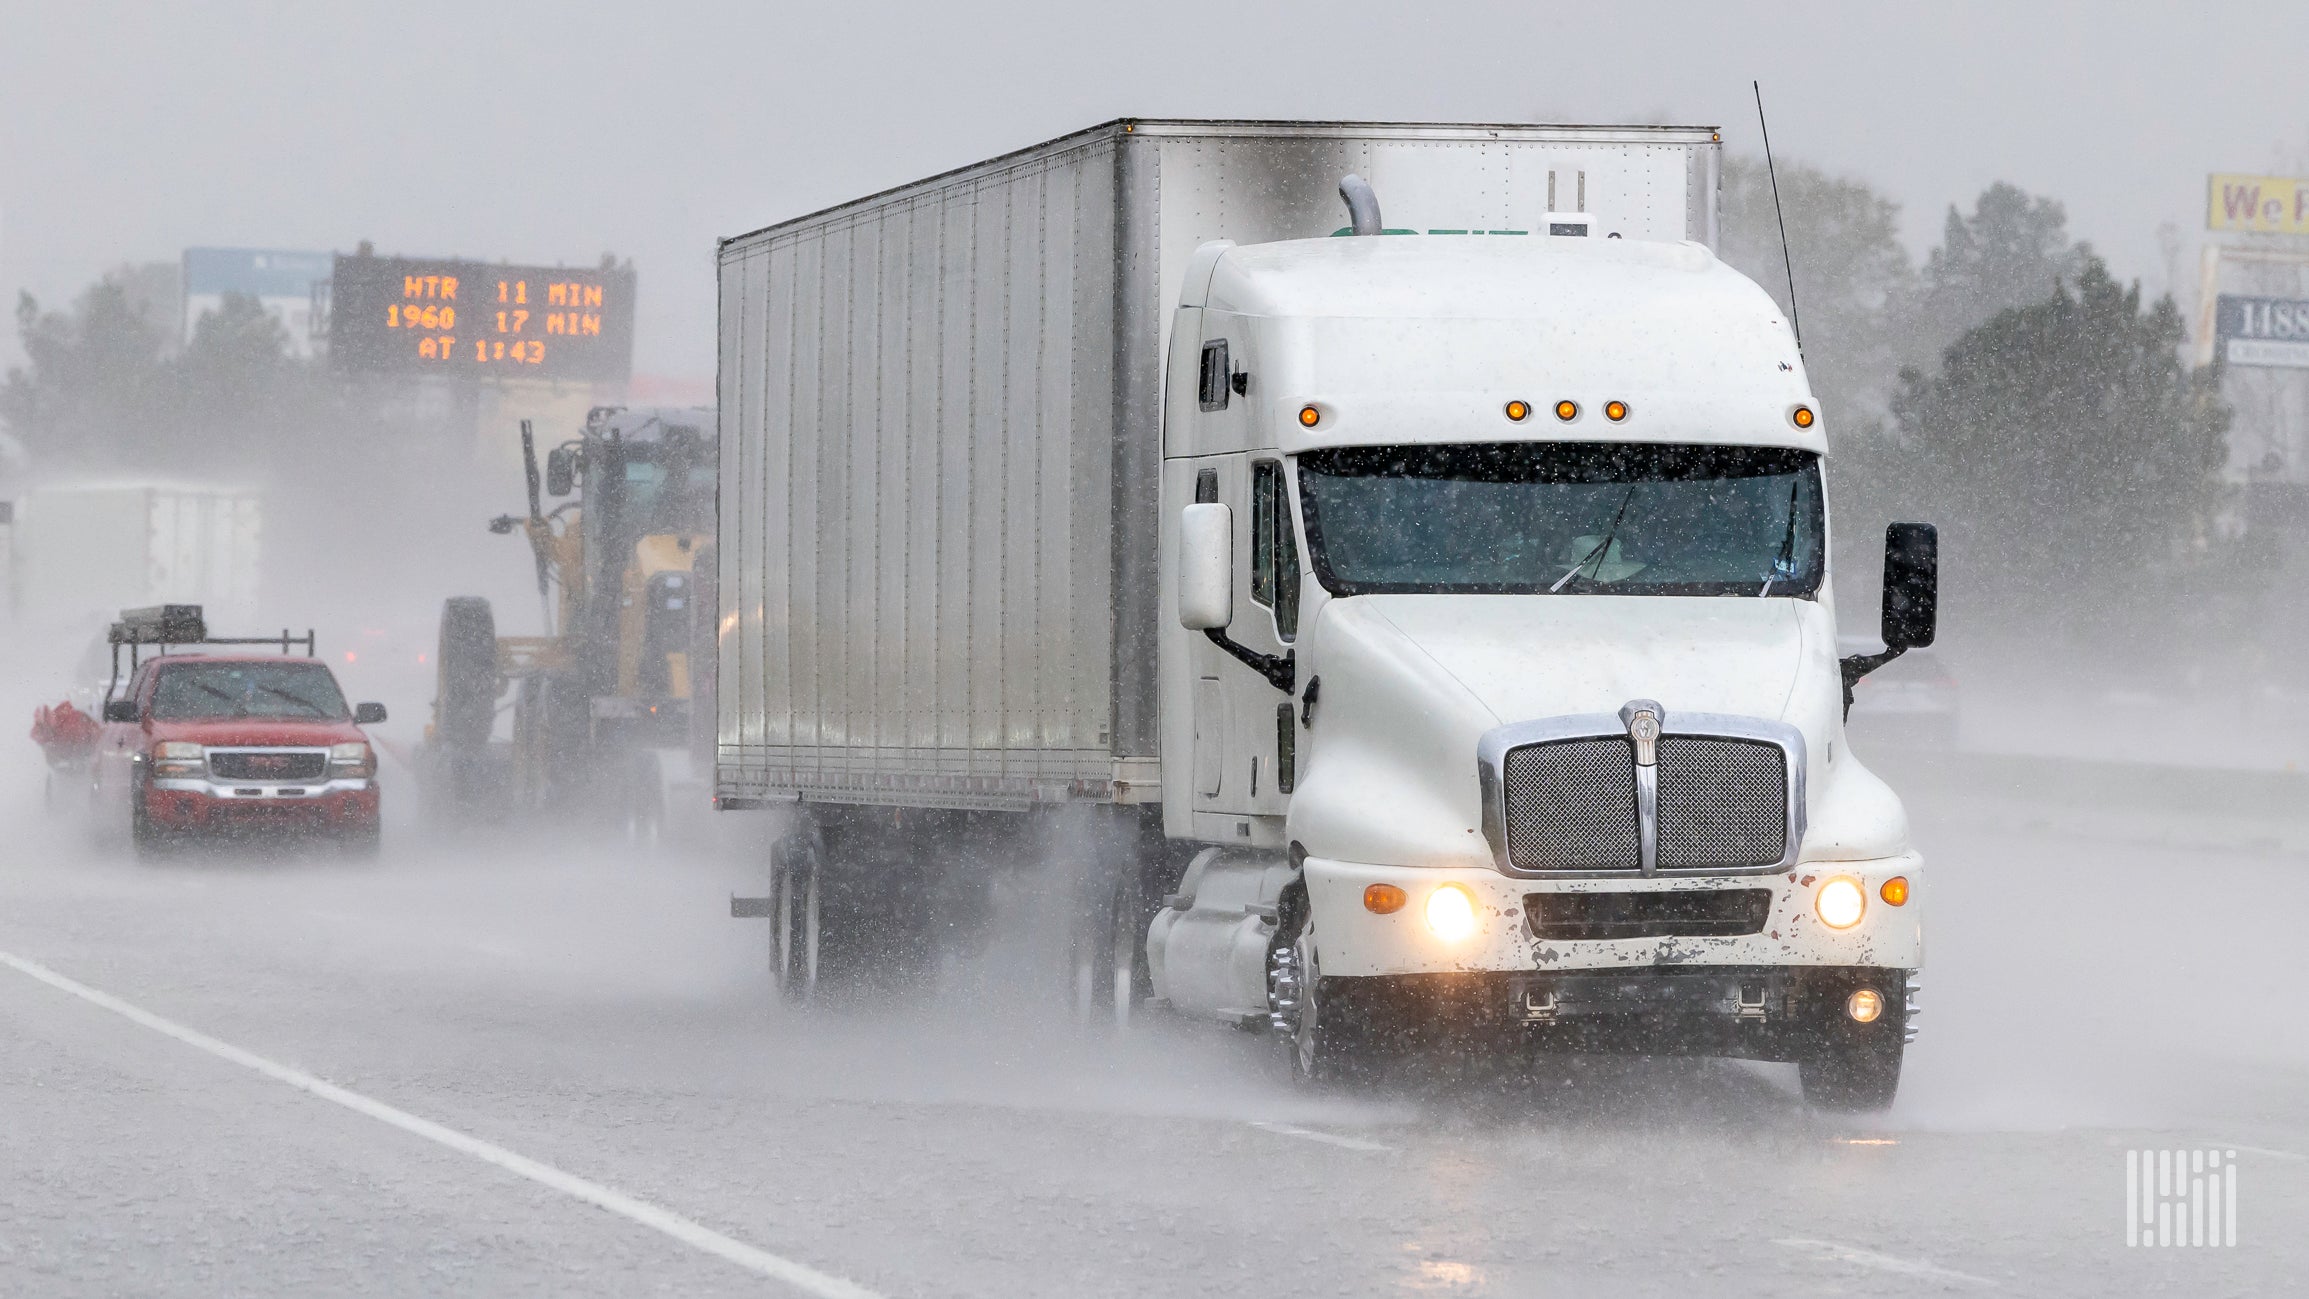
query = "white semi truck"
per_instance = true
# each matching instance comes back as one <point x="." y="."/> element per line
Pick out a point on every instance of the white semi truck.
<point x="1401" y="630"/>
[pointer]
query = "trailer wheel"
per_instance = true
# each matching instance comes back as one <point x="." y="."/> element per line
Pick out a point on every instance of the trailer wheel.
<point x="1854" y="1076"/>
<point x="797" y="912"/>
<point x="466" y="711"/>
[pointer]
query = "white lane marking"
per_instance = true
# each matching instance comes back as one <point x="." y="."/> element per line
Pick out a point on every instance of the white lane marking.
<point x="1327" y="1138"/>
<point x="801" y="1276"/>
<point x="1881" y="1262"/>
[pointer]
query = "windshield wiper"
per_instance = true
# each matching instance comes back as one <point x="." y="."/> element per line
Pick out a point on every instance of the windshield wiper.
<point x="1785" y="562"/>
<point x="1603" y="547"/>
<point x="295" y="698"/>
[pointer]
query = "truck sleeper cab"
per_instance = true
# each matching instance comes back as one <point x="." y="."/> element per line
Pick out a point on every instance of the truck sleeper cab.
<point x="237" y="744"/>
<point x="1516" y="705"/>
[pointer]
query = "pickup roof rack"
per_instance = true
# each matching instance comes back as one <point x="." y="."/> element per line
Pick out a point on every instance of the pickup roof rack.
<point x="163" y="626"/>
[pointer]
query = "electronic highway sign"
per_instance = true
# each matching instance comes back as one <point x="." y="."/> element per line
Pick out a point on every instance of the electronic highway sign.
<point x="410" y="316"/>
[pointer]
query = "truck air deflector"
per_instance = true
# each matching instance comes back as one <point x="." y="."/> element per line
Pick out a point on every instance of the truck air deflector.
<point x="1568" y="798"/>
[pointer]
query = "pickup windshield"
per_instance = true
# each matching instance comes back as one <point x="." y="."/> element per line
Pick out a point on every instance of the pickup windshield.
<point x="288" y="690"/>
<point x="1534" y="518"/>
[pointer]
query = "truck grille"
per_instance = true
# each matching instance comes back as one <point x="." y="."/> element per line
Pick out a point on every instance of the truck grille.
<point x="1722" y="802"/>
<point x="1571" y="805"/>
<point x="268" y="766"/>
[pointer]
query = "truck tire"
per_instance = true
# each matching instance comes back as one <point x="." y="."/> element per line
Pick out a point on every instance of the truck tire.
<point x="795" y="912"/>
<point x="1330" y="1043"/>
<point x="1853" y="1076"/>
<point x="467" y="709"/>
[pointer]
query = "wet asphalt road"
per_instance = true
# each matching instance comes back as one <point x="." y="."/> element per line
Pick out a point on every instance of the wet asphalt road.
<point x="2089" y="991"/>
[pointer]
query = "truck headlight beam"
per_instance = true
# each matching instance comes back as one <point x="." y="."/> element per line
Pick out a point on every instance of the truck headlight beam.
<point x="1451" y="913"/>
<point x="1841" y="902"/>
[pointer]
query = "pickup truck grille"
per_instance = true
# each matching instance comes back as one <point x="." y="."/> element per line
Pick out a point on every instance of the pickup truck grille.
<point x="268" y="766"/>
<point x="1572" y="804"/>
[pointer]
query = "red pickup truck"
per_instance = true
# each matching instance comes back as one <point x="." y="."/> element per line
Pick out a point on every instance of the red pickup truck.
<point x="254" y="743"/>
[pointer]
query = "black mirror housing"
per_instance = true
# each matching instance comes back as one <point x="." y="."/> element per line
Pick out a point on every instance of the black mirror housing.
<point x="1911" y="585"/>
<point x="121" y="710"/>
<point x="368" y="714"/>
<point x="560" y="471"/>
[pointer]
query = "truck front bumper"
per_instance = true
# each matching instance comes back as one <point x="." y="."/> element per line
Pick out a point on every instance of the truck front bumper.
<point x="329" y="806"/>
<point x="1667" y="925"/>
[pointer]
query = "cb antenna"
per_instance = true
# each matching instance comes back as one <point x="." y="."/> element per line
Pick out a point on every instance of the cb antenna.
<point x="1795" y="320"/>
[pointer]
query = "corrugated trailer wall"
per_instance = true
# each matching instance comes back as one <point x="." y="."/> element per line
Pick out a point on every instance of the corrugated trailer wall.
<point x="941" y="426"/>
<point x="918" y="408"/>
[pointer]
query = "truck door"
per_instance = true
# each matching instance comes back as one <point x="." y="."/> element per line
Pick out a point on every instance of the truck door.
<point x="1242" y="741"/>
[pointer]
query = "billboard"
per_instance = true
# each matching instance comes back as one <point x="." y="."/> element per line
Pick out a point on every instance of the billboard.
<point x="292" y="287"/>
<point x="2262" y="331"/>
<point x="411" y="316"/>
<point x="2269" y="205"/>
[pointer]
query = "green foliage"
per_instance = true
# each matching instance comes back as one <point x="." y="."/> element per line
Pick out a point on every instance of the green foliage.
<point x="100" y="389"/>
<point x="2066" y="451"/>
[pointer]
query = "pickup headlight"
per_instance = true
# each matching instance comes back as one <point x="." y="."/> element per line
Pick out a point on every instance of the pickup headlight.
<point x="178" y="760"/>
<point x="352" y="761"/>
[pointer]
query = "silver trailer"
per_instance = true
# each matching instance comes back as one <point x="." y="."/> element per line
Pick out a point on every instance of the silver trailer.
<point x="941" y="432"/>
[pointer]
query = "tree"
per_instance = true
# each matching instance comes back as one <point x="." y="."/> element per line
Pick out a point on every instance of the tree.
<point x="2066" y="452"/>
<point x="2010" y="252"/>
<point x="1853" y="277"/>
<point x="94" y="378"/>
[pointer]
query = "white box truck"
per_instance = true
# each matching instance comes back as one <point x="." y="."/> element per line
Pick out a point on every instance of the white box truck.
<point x="1427" y="614"/>
<point x="84" y="550"/>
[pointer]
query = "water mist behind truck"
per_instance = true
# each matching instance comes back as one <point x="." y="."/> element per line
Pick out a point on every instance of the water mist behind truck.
<point x="1383" y="566"/>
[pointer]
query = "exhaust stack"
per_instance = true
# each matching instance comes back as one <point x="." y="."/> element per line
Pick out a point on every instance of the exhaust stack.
<point x="1362" y="204"/>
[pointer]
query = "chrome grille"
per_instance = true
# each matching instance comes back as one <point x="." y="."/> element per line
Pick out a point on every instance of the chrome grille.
<point x="1722" y="802"/>
<point x="268" y="766"/>
<point x="1571" y="805"/>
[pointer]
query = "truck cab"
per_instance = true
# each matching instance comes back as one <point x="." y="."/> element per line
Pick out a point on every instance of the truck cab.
<point x="233" y="743"/>
<point x="1503" y="677"/>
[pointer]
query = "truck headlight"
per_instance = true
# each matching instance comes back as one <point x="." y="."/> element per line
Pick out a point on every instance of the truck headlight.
<point x="352" y="761"/>
<point x="1841" y="902"/>
<point x="178" y="760"/>
<point x="1451" y="912"/>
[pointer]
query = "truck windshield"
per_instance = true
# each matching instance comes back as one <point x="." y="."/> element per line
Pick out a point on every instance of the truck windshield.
<point x="1534" y="518"/>
<point x="290" y="690"/>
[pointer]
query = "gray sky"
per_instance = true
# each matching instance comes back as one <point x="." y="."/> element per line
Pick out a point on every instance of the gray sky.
<point x="554" y="132"/>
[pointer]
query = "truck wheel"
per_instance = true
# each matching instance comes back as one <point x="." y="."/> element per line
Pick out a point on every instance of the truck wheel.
<point x="1329" y="1042"/>
<point x="467" y="708"/>
<point x="149" y="840"/>
<point x="796" y="914"/>
<point x="1853" y="1076"/>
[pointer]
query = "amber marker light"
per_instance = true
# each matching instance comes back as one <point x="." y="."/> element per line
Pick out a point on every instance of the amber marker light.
<point x="1803" y="417"/>
<point x="1309" y="417"/>
<point x="1567" y="411"/>
<point x="1518" y="411"/>
<point x="1895" y="891"/>
<point x="1615" y="411"/>
<point x="1384" y="899"/>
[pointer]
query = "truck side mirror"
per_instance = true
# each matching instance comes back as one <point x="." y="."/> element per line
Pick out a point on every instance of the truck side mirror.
<point x="560" y="470"/>
<point x="1206" y="566"/>
<point x="121" y="710"/>
<point x="368" y="714"/>
<point x="1911" y="585"/>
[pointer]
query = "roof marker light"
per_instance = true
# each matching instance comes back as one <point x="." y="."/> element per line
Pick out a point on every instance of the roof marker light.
<point x="1518" y="411"/>
<point x="1309" y="417"/>
<point x="1803" y="416"/>
<point x="1615" y="411"/>
<point x="1567" y="410"/>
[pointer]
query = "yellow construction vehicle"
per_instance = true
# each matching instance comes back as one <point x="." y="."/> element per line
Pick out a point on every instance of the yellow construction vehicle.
<point x="610" y="707"/>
